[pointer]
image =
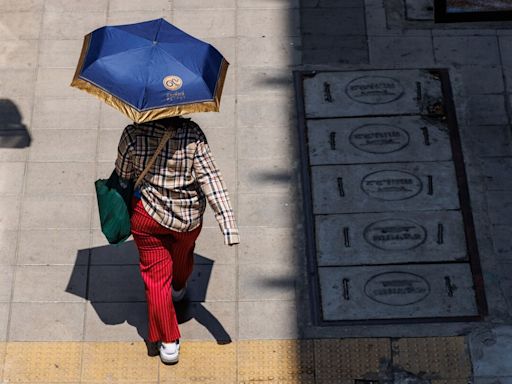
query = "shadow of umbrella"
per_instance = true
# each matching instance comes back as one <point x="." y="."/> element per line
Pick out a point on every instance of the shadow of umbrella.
<point x="13" y="134"/>
<point x="113" y="285"/>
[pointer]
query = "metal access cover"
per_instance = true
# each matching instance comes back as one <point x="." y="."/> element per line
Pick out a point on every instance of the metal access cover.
<point x="382" y="139"/>
<point x="384" y="187"/>
<point x="373" y="93"/>
<point x="397" y="291"/>
<point x="386" y="238"/>
<point x="389" y="228"/>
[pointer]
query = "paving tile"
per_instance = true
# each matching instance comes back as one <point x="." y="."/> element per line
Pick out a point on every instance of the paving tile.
<point x="206" y="23"/>
<point x="433" y="357"/>
<point x="71" y="25"/>
<point x="11" y="178"/>
<point x="19" y="54"/>
<point x="263" y="245"/>
<point x="76" y="6"/>
<point x="107" y="145"/>
<point x="222" y="144"/>
<point x="502" y="241"/>
<point x="267" y="282"/>
<point x="59" y="53"/>
<point x="268" y="4"/>
<point x="16" y="110"/>
<point x="43" y="362"/>
<point x="198" y="4"/>
<point x="283" y="208"/>
<point x="490" y="140"/>
<point x="120" y="283"/>
<point x="111" y="118"/>
<point x="496" y="173"/>
<point x="265" y="111"/>
<point x="208" y="321"/>
<point x="24" y="25"/>
<point x="487" y="110"/>
<point x="9" y="240"/>
<point x="13" y="154"/>
<point x="506" y="49"/>
<point x="267" y="320"/>
<point x="50" y="247"/>
<point x="278" y="143"/>
<point x="102" y="253"/>
<point x="47" y="179"/>
<point x="58" y="212"/>
<point x="261" y="80"/>
<point x="266" y="175"/>
<point x="500" y="207"/>
<point x="4" y="318"/>
<point x="267" y="22"/>
<point x="224" y="119"/>
<point x="134" y="5"/>
<point x="283" y="361"/>
<point x="268" y="51"/>
<point x="401" y="51"/>
<point x="46" y="322"/>
<point x="466" y="50"/>
<point x="210" y="247"/>
<point x="350" y="358"/>
<point x="10" y="208"/>
<point x="490" y="350"/>
<point x="16" y="84"/>
<point x="335" y="21"/>
<point x="129" y="17"/>
<point x="58" y="113"/>
<point x="7" y="273"/>
<point x="328" y="49"/>
<point x="489" y="380"/>
<point x="22" y="5"/>
<point x="116" y="321"/>
<point x="55" y="83"/>
<point x="204" y="362"/>
<point x="42" y="283"/>
<point x="210" y="282"/>
<point x="63" y="145"/>
<point x="481" y="79"/>
<point x="126" y="361"/>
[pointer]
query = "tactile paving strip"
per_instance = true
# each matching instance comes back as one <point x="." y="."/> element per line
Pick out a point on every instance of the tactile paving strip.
<point x="276" y="361"/>
<point x="350" y="359"/>
<point x="35" y="362"/>
<point x="202" y="362"/>
<point x="438" y="357"/>
<point x="105" y="362"/>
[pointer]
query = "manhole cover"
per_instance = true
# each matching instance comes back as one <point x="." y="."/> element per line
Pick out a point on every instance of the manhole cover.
<point x="389" y="225"/>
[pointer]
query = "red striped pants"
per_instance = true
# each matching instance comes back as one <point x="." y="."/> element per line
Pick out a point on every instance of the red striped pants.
<point x="166" y="257"/>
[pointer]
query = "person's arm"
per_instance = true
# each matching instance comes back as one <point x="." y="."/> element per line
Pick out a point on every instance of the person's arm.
<point x="212" y="185"/>
<point x="124" y="161"/>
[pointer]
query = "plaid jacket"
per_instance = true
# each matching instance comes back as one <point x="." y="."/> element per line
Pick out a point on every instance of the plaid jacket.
<point x="183" y="177"/>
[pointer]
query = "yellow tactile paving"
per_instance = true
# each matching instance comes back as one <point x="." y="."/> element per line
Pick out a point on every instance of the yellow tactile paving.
<point x="34" y="362"/>
<point x="276" y="361"/>
<point x="439" y="357"/>
<point x="349" y="359"/>
<point x="123" y="362"/>
<point x="202" y="362"/>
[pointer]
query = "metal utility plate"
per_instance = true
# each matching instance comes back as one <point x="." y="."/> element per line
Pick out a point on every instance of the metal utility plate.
<point x="384" y="187"/>
<point x="397" y="291"/>
<point x="390" y="238"/>
<point x="370" y="93"/>
<point x="377" y="140"/>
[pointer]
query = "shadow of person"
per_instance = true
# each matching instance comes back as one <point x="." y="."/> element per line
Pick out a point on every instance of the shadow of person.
<point x="115" y="289"/>
<point x="13" y="134"/>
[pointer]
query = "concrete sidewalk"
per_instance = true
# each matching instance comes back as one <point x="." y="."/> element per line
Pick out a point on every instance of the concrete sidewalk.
<point x="72" y="309"/>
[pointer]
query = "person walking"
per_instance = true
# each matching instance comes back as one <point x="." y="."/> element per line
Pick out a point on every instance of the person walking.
<point x="167" y="214"/>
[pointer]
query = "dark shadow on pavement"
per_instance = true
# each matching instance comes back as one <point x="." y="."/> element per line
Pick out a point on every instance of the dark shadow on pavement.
<point x="109" y="277"/>
<point x="13" y="133"/>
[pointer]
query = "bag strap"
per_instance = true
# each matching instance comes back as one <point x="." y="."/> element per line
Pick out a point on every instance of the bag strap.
<point x="165" y="139"/>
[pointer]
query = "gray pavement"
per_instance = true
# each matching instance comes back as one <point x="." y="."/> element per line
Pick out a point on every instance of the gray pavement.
<point x="62" y="283"/>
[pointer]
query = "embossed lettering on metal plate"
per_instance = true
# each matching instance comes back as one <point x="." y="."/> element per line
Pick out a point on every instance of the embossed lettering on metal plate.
<point x="391" y="185"/>
<point x="397" y="288"/>
<point x="374" y="89"/>
<point x="379" y="138"/>
<point x="395" y="234"/>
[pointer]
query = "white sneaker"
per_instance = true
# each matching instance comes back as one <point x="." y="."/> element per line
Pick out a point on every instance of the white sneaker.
<point x="170" y="352"/>
<point x="179" y="295"/>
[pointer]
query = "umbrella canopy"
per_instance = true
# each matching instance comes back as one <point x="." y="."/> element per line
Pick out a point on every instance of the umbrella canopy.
<point x="151" y="70"/>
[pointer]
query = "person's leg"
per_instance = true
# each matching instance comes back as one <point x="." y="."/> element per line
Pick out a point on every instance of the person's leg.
<point x="156" y="270"/>
<point x="181" y="247"/>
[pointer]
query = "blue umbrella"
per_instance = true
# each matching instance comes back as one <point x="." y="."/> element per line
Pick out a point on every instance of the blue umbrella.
<point x="151" y="70"/>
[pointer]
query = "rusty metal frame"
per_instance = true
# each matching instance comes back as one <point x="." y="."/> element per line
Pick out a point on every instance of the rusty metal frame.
<point x="465" y="203"/>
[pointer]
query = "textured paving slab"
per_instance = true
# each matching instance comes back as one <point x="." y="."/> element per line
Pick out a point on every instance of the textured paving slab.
<point x="385" y="238"/>
<point x="397" y="291"/>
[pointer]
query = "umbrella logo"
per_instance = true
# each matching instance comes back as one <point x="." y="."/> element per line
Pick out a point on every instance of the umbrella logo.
<point x="173" y="83"/>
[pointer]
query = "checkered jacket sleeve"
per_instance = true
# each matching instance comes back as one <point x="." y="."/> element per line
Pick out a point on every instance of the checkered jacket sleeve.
<point x="212" y="185"/>
<point x="124" y="161"/>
